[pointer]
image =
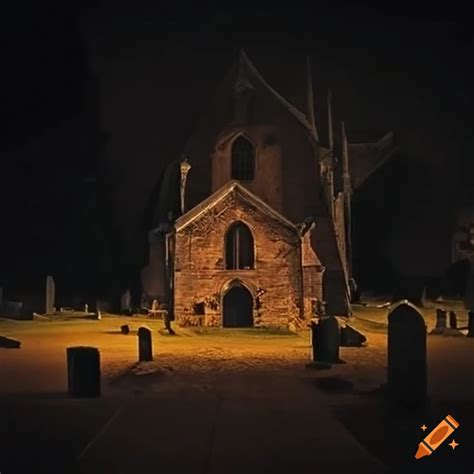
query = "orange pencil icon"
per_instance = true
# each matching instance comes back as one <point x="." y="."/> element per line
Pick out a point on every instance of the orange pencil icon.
<point x="437" y="437"/>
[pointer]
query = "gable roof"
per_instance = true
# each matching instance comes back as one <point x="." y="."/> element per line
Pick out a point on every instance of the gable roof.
<point x="366" y="158"/>
<point x="231" y="187"/>
<point x="246" y="64"/>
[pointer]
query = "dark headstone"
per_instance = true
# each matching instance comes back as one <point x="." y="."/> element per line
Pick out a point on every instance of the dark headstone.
<point x="351" y="337"/>
<point x="406" y="370"/>
<point x="8" y="343"/>
<point x="470" y="326"/>
<point x="83" y="367"/>
<point x="125" y="329"/>
<point x="441" y="322"/>
<point x="145" y="351"/>
<point x="453" y="320"/>
<point x="325" y="339"/>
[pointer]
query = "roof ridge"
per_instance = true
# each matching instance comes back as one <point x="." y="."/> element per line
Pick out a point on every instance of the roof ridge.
<point x="300" y="116"/>
<point x="186" y="219"/>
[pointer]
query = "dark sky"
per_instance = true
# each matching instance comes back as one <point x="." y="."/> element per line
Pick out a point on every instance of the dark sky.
<point x="141" y="75"/>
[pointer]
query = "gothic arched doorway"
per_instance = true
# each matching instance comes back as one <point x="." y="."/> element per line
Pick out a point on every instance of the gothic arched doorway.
<point x="237" y="308"/>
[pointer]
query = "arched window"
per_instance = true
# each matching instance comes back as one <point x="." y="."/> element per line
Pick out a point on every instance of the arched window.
<point x="243" y="159"/>
<point x="239" y="253"/>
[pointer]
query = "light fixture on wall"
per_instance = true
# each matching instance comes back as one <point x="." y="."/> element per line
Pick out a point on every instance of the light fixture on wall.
<point x="184" y="168"/>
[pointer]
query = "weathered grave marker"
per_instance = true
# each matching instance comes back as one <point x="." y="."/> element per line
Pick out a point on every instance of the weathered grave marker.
<point x="9" y="343"/>
<point x="145" y="350"/>
<point x="50" y="294"/>
<point x="125" y="302"/>
<point x="441" y="322"/>
<point x="351" y="337"/>
<point x="83" y="366"/>
<point x="125" y="329"/>
<point x="406" y="355"/>
<point x="325" y="340"/>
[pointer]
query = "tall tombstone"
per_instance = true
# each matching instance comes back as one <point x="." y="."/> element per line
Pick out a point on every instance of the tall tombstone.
<point x="406" y="356"/>
<point x="50" y="294"/>
<point x="125" y="301"/>
<point x="325" y="339"/>
<point x="145" y="350"/>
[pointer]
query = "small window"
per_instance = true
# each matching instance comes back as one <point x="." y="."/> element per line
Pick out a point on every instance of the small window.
<point x="243" y="159"/>
<point x="239" y="248"/>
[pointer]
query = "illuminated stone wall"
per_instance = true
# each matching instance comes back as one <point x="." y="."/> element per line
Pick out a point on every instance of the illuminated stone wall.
<point x="202" y="279"/>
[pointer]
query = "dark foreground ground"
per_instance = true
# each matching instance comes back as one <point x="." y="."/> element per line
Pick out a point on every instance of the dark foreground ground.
<point x="227" y="402"/>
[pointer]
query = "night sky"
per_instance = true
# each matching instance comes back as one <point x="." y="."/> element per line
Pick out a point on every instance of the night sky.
<point x="113" y="92"/>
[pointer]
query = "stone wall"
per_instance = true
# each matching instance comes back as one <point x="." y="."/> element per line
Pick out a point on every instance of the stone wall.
<point x="201" y="279"/>
<point x="267" y="184"/>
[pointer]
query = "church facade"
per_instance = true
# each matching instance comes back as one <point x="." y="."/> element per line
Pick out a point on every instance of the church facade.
<point x="260" y="226"/>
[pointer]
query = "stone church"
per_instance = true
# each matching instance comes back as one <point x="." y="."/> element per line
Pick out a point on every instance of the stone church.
<point x="255" y="222"/>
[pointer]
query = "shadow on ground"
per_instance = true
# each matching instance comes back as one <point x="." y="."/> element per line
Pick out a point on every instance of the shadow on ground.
<point x="46" y="434"/>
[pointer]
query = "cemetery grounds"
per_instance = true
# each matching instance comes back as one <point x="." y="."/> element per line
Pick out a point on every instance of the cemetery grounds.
<point x="200" y="363"/>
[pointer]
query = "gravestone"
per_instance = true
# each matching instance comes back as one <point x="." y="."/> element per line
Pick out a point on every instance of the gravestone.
<point x="453" y="320"/>
<point x="125" y="302"/>
<point x="125" y="329"/>
<point x="9" y="343"/>
<point x="325" y="340"/>
<point x="83" y="369"/>
<point x="406" y="355"/>
<point x="470" y="324"/>
<point x="50" y="294"/>
<point x="351" y="337"/>
<point x="155" y="306"/>
<point x="145" y="351"/>
<point x="441" y="322"/>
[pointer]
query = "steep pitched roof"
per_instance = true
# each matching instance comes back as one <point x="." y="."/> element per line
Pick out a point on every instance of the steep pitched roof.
<point x="245" y="62"/>
<point x="366" y="158"/>
<point x="220" y="194"/>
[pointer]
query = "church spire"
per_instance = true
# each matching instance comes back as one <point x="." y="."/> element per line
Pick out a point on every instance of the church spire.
<point x="310" y="94"/>
<point x="242" y="83"/>
<point x="345" y="158"/>
<point x="346" y="183"/>
<point x="330" y="129"/>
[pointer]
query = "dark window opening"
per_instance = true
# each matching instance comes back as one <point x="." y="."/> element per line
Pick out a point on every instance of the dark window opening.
<point x="239" y="248"/>
<point x="243" y="159"/>
<point x="199" y="309"/>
